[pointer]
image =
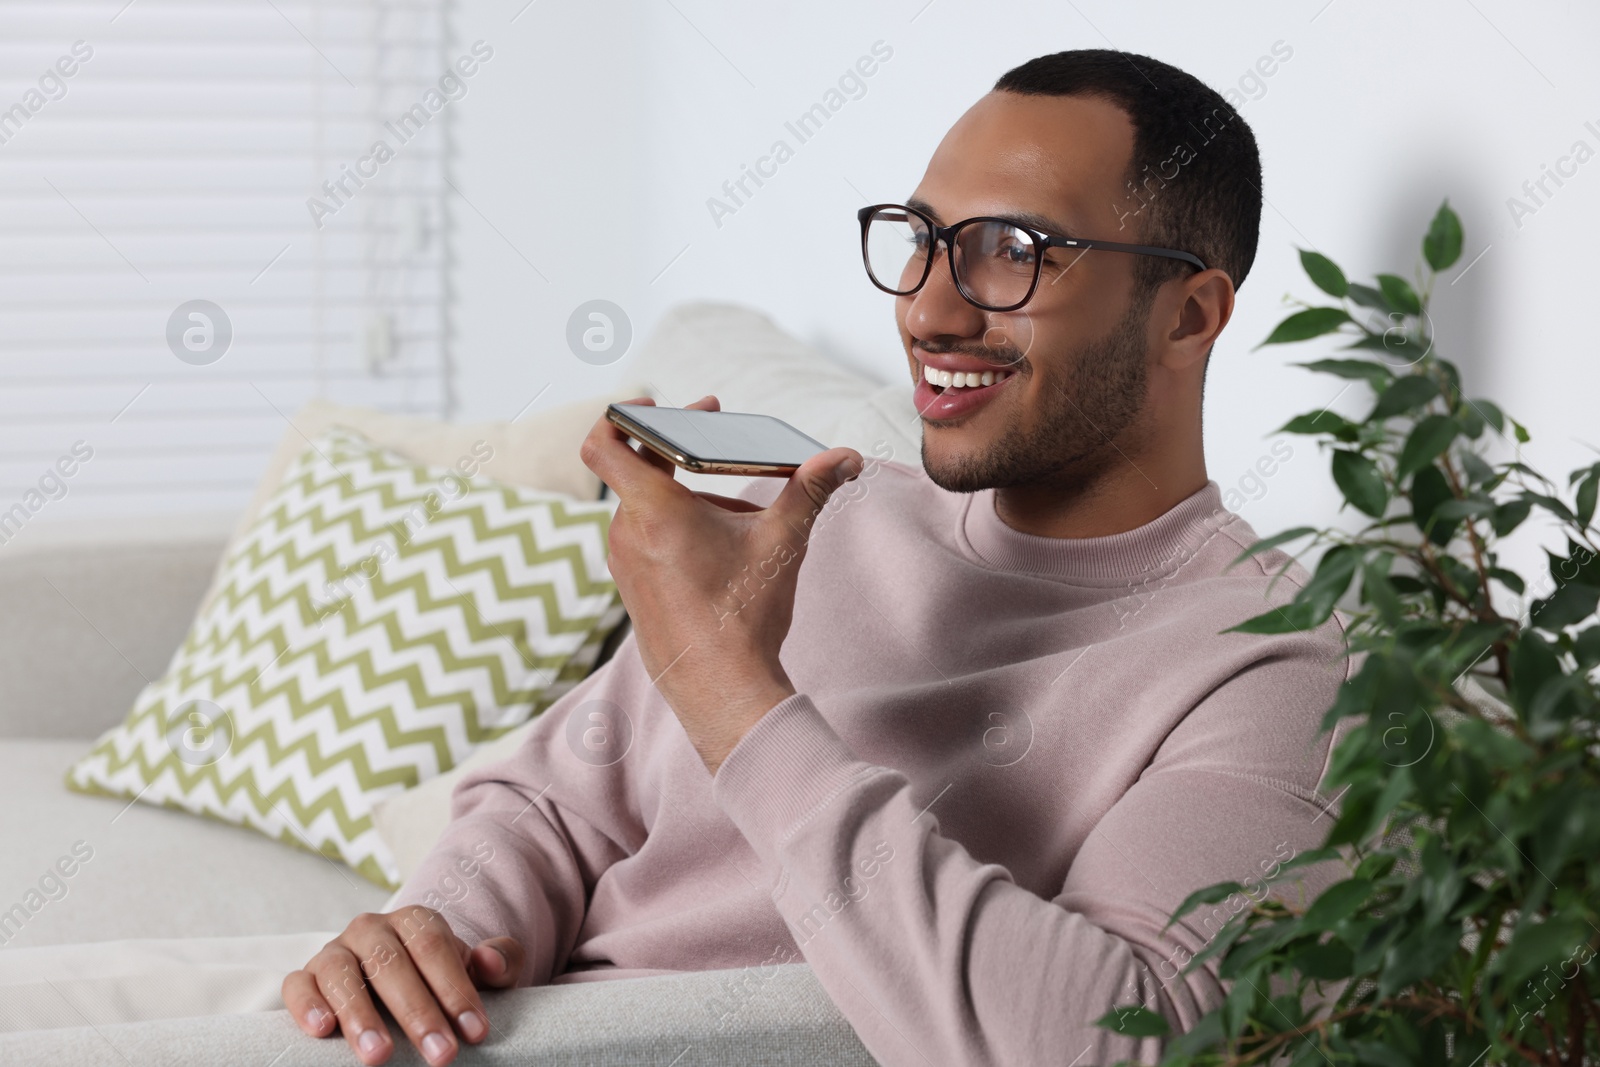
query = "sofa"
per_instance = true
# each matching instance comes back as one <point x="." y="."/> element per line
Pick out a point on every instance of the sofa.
<point x="166" y="942"/>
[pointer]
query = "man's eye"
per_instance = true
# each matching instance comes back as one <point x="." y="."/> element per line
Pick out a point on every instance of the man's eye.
<point x="1019" y="254"/>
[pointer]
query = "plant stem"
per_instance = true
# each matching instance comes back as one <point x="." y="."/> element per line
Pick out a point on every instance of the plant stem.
<point x="1438" y="1006"/>
<point x="1486" y="612"/>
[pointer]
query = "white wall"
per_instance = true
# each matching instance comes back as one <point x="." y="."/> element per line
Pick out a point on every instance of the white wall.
<point x="1381" y="111"/>
<point x="587" y="150"/>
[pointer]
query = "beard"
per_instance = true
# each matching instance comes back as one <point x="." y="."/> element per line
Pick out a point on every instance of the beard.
<point x="1079" y="420"/>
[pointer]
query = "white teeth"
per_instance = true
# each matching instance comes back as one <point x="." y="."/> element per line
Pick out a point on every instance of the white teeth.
<point x="962" y="379"/>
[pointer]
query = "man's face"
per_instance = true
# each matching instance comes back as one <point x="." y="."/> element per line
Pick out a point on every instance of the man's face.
<point x="1076" y="352"/>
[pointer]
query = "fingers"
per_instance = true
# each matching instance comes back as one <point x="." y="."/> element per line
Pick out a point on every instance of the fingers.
<point x="656" y="459"/>
<point x="339" y="980"/>
<point x="606" y="451"/>
<point x="729" y="503"/>
<point x="441" y="959"/>
<point x="496" y="963"/>
<point x="307" y="1005"/>
<point x="412" y="1002"/>
<point x="810" y="487"/>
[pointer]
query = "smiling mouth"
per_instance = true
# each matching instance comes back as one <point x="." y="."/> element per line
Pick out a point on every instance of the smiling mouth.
<point x="954" y="381"/>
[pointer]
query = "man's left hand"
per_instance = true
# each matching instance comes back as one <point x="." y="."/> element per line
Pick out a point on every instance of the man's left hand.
<point x="709" y="580"/>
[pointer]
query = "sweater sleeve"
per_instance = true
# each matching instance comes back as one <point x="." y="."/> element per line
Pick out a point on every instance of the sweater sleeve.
<point x="935" y="957"/>
<point x="531" y="834"/>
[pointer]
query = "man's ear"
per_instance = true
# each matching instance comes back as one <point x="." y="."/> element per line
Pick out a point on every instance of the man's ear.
<point x="1204" y="304"/>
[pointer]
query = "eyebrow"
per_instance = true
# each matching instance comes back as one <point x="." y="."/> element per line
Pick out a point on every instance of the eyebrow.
<point x="1026" y="218"/>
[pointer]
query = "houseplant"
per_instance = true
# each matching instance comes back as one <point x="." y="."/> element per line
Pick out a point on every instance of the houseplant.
<point x="1465" y="928"/>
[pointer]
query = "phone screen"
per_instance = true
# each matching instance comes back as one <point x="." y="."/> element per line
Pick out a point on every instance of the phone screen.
<point x="726" y="436"/>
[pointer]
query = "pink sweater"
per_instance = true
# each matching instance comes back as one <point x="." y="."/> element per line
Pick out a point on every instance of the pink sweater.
<point x="1009" y="758"/>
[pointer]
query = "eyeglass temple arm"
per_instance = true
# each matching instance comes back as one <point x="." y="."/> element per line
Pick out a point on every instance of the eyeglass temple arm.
<point x="1113" y="246"/>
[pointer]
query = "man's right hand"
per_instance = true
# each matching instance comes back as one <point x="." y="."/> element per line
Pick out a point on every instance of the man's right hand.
<point x="415" y="964"/>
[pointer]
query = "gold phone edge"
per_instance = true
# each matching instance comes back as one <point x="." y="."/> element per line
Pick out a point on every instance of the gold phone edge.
<point x="658" y="445"/>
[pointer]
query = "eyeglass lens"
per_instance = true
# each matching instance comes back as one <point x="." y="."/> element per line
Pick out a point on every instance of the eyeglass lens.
<point x="995" y="261"/>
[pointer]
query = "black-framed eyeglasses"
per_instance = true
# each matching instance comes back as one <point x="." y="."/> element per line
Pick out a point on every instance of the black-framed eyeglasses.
<point x="994" y="262"/>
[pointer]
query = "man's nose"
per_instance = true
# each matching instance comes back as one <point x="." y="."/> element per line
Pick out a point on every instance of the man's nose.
<point x="939" y="310"/>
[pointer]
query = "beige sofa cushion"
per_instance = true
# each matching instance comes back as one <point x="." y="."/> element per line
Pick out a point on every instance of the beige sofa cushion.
<point x="150" y="872"/>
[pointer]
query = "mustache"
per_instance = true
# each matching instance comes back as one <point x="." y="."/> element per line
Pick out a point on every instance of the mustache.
<point x="1003" y="358"/>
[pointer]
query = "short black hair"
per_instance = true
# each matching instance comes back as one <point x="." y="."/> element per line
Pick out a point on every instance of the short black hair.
<point x="1208" y="203"/>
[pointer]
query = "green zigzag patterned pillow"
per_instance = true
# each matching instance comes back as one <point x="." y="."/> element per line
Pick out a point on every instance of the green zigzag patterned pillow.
<point x="379" y="621"/>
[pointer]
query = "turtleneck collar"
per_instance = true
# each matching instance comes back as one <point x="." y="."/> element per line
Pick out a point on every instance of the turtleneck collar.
<point x="1138" y="554"/>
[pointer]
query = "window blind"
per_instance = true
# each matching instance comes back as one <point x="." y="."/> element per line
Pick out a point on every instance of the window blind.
<point x="158" y="153"/>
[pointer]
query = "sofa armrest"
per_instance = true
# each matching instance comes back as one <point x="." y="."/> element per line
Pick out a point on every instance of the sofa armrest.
<point x="774" y="1016"/>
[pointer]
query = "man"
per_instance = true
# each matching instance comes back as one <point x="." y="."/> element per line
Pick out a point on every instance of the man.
<point x="966" y="760"/>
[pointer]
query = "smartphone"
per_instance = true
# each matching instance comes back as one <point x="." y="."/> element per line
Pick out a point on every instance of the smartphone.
<point x="717" y="442"/>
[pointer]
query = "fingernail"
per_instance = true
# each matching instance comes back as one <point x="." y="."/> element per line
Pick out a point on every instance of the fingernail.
<point x="370" y="1041"/>
<point x="435" y="1047"/>
<point x="472" y="1024"/>
<point x="849" y="469"/>
<point x="315" y="1017"/>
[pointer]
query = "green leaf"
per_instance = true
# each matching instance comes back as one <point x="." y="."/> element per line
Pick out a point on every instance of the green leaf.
<point x="1417" y="956"/>
<point x="1202" y="1036"/>
<point x="1442" y="245"/>
<point x="1510" y="515"/>
<point x="1329" y="961"/>
<point x="1535" y="944"/>
<point x="1211" y="894"/>
<point x="1570" y="604"/>
<point x="1376" y="865"/>
<point x="1406" y="394"/>
<point x="1274" y="541"/>
<point x="1471" y="507"/>
<point x="1491" y="412"/>
<point x="1510" y="579"/>
<point x="1476" y="468"/>
<point x="1303" y="325"/>
<point x="1429" y="492"/>
<point x="1586" y="499"/>
<point x="1367" y="296"/>
<point x="1237" y="1008"/>
<point x="1427" y="440"/>
<point x="1334" y="571"/>
<point x="1520" y="431"/>
<point x="1360" y="369"/>
<point x="1554" y="505"/>
<point x="1290" y="618"/>
<point x="1325" y="273"/>
<point x="1586" y="646"/>
<point x="1378" y="591"/>
<point x="1398" y="292"/>
<point x="1337" y="903"/>
<point x="1134" y="1021"/>
<point x="1328" y="422"/>
<point x="1533" y="663"/>
<point x="1358" y="479"/>
<point x="1306" y="859"/>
